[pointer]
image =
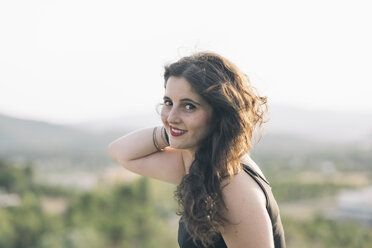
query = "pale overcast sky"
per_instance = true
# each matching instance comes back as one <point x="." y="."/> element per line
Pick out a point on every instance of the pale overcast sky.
<point x="82" y="60"/>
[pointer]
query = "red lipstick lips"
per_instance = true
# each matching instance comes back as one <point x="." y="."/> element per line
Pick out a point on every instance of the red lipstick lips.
<point x="176" y="132"/>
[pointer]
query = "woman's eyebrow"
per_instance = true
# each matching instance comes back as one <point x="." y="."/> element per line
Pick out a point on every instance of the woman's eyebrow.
<point x="189" y="100"/>
<point x="182" y="100"/>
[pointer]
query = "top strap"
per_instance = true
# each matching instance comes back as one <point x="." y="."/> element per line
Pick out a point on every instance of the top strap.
<point x="252" y="171"/>
<point x="257" y="178"/>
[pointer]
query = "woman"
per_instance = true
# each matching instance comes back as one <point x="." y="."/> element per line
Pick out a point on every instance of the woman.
<point x="209" y="113"/>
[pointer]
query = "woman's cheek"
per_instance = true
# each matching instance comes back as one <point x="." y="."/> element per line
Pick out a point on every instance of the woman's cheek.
<point x="163" y="118"/>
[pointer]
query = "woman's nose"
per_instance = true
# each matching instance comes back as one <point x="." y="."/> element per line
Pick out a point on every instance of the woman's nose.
<point x="173" y="116"/>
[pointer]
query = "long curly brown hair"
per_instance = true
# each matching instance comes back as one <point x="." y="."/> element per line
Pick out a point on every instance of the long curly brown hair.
<point x="237" y="110"/>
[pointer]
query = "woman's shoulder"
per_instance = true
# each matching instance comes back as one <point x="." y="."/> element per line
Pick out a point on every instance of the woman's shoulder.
<point x="242" y="187"/>
<point x="245" y="208"/>
<point x="242" y="178"/>
<point x="247" y="160"/>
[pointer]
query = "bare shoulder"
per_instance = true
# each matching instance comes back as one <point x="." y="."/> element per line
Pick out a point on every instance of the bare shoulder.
<point x="242" y="189"/>
<point x="249" y="161"/>
<point x="246" y="209"/>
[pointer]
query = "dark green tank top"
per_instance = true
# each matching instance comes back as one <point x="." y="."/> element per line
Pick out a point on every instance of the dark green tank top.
<point x="185" y="240"/>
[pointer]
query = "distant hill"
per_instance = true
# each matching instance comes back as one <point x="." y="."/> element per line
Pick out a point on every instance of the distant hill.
<point x="127" y="122"/>
<point x="319" y="126"/>
<point x="288" y="129"/>
<point x="33" y="139"/>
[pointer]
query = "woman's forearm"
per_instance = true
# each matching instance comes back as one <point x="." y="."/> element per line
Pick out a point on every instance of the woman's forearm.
<point x="137" y="144"/>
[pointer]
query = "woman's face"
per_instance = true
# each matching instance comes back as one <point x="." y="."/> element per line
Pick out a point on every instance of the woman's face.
<point x="185" y="114"/>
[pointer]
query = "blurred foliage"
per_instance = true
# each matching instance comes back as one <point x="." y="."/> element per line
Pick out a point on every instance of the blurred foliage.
<point x="320" y="157"/>
<point x="142" y="214"/>
<point x="294" y="190"/>
<point x="320" y="232"/>
<point x="120" y="216"/>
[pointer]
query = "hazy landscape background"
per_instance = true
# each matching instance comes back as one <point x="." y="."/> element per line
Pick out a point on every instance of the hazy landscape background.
<point x="286" y="127"/>
<point x="319" y="164"/>
<point x="77" y="74"/>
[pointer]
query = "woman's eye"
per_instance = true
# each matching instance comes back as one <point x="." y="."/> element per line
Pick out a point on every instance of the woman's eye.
<point x="167" y="103"/>
<point x="189" y="106"/>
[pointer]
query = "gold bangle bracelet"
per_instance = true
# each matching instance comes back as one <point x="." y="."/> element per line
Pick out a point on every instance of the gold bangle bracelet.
<point x="155" y="141"/>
